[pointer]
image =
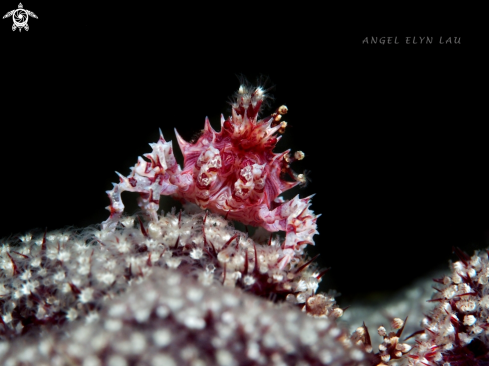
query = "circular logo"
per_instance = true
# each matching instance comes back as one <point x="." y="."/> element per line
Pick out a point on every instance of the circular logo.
<point x="20" y="17"/>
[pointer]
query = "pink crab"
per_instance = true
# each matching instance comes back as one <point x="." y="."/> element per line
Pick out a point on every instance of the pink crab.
<point x="232" y="172"/>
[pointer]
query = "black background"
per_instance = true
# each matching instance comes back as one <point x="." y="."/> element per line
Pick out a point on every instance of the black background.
<point x="394" y="135"/>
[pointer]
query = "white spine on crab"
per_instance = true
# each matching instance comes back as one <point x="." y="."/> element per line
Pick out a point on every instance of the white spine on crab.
<point x="208" y="127"/>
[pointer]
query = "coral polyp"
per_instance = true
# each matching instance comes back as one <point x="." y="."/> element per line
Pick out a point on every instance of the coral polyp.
<point x="233" y="172"/>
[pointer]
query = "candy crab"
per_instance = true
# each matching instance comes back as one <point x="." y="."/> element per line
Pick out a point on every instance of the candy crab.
<point x="232" y="172"/>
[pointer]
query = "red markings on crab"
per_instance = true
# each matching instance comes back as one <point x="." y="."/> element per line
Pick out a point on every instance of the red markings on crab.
<point x="158" y="162"/>
<point x="203" y="201"/>
<point x="228" y="127"/>
<point x="302" y="212"/>
<point x="246" y="162"/>
<point x="291" y="228"/>
<point x="202" y="187"/>
<point x="253" y="111"/>
<point x="258" y="190"/>
<point x="148" y="168"/>
<point x="240" y="110"/>
<point x="161" y="178"/>
<point x="270" y="143"/>
<point x="243" y="178"/>
<point x="236" y="198"/>
<point x="151" y="160"/>
<point x="148" y="196"/>
<point x="227" y="161"/>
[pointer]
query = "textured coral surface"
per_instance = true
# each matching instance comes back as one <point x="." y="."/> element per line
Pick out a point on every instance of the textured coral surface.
<point x="187" y="289"/>
<point x="170" y="319"/>
<point x="456" y="330"/>
<point x="62" y="276"/>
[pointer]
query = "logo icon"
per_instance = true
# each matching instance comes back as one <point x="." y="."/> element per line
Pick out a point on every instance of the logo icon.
<point x="20" y="17"/>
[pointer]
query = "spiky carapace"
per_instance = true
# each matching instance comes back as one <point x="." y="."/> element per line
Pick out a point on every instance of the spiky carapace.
<point x="232" y="172"/>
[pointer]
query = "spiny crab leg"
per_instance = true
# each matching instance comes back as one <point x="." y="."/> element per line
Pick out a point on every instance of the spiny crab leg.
<point x="150" y="178"/>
